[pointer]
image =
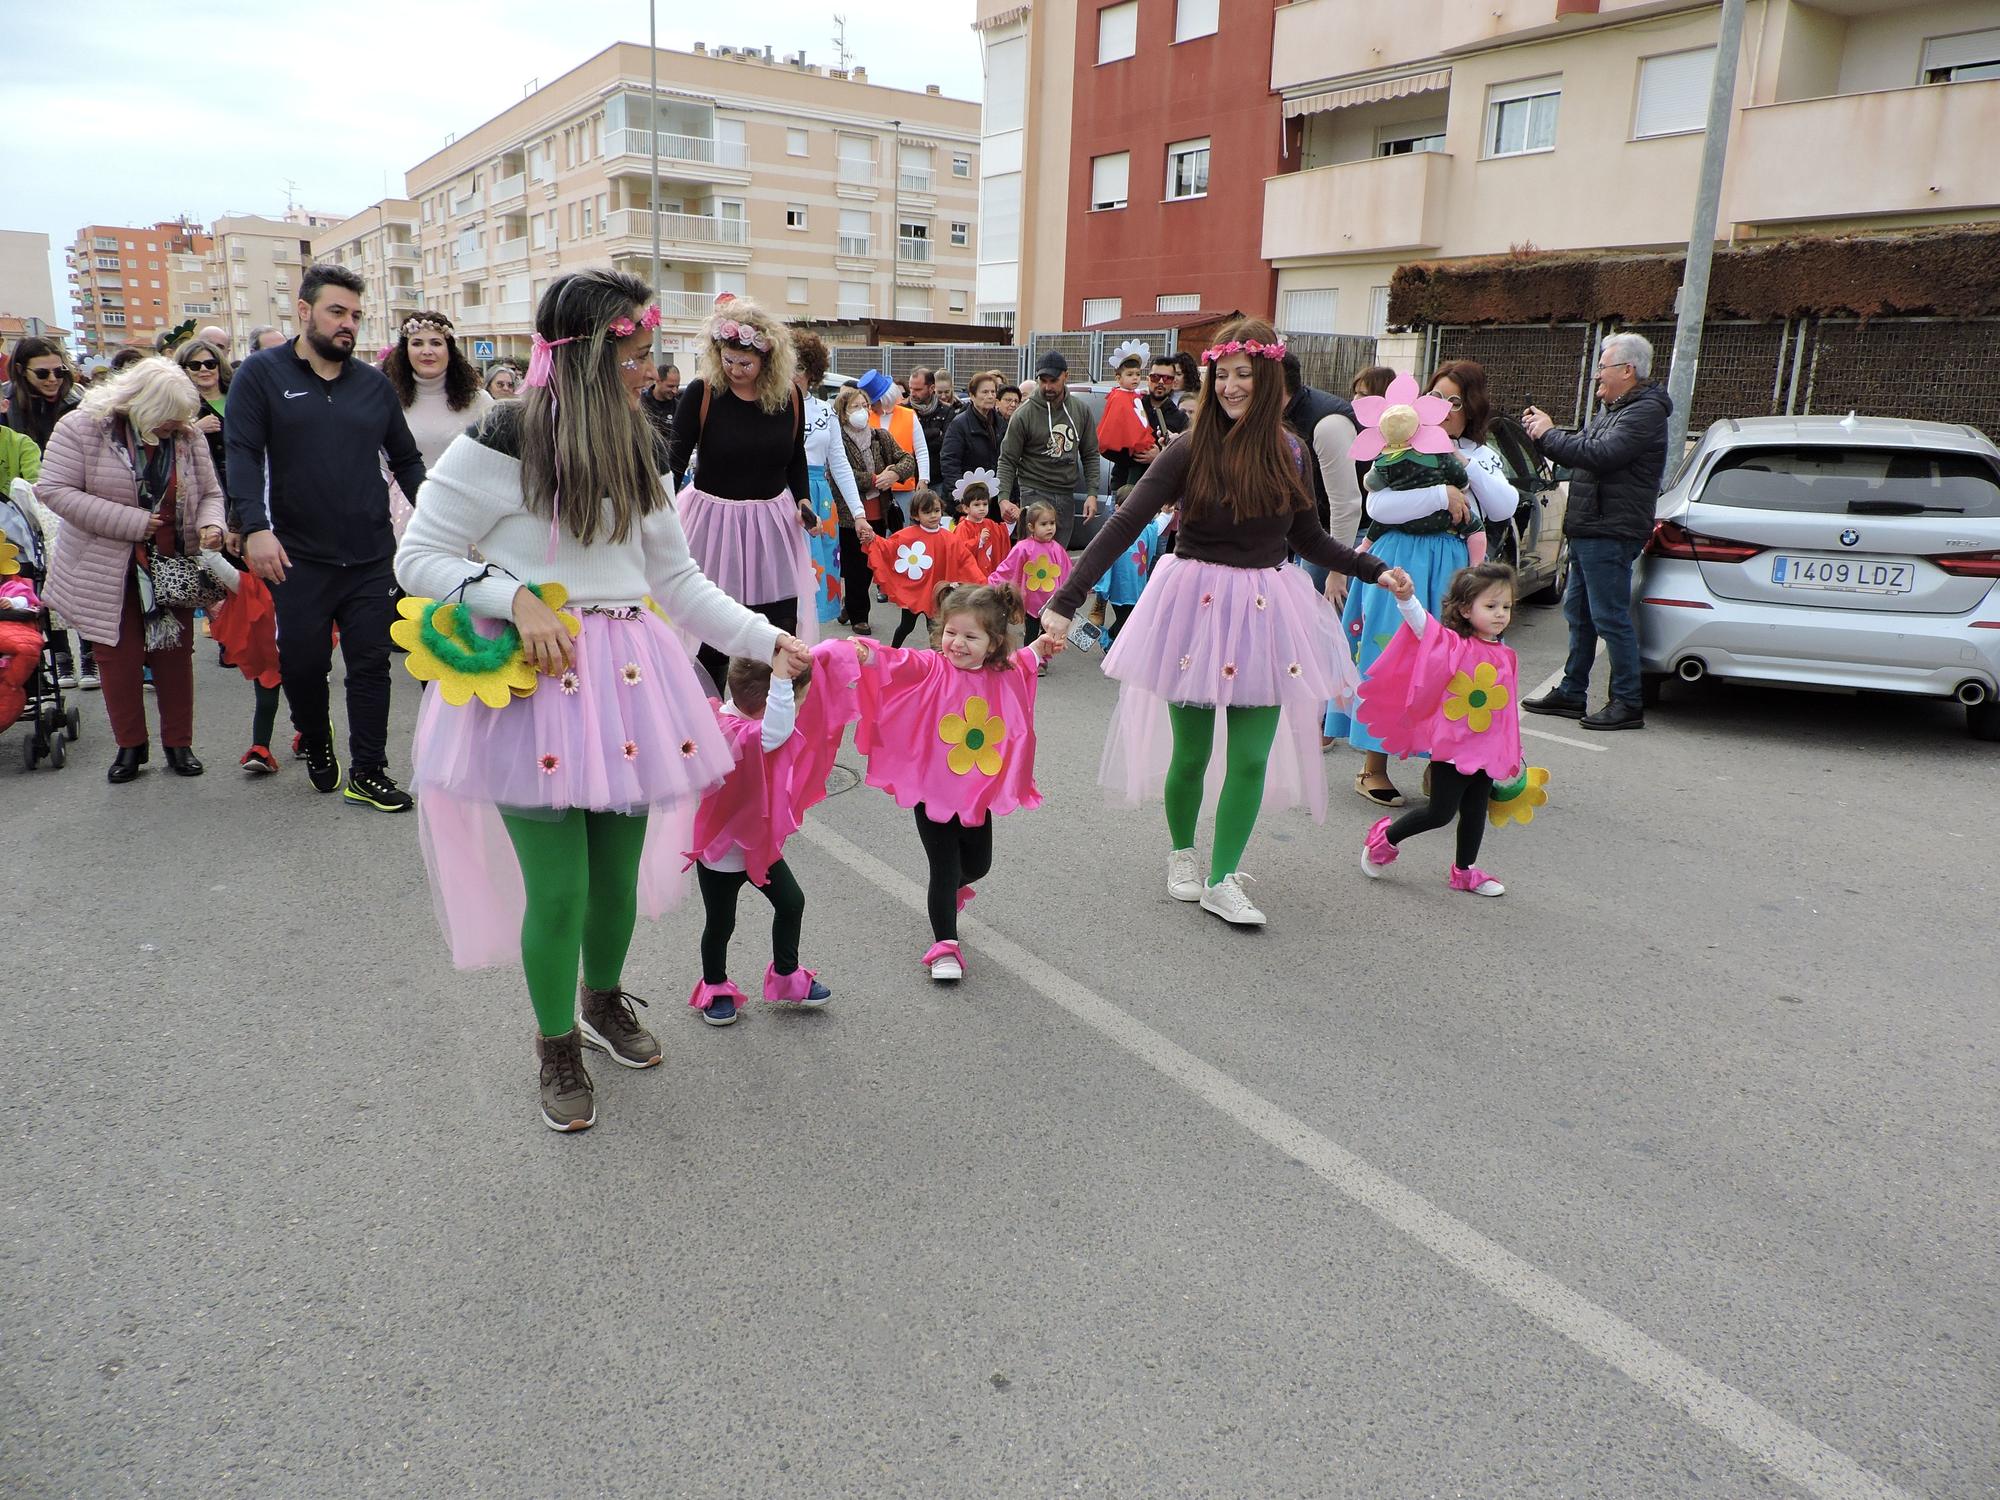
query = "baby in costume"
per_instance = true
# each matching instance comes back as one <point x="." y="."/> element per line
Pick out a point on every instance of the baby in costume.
<point x="1401" y="466"/>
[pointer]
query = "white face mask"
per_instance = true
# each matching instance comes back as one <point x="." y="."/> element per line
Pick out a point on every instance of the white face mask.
<point x="857" y="419"/>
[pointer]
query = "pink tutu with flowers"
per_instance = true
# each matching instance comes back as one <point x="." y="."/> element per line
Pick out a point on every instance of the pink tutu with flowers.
<point x="1214" y="636"/>
<point x="754" y="551"/>
<point x="628" y="729"/>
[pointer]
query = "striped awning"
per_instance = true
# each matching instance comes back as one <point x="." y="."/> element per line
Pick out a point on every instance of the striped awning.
<point x="1369" y="93"/>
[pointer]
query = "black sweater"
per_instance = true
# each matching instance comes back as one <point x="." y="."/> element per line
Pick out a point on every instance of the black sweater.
<point x="321" y="442"/>
<point x="747" y="453"/>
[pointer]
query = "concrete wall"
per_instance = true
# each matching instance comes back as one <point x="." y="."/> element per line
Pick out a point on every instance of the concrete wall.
<point x="25" y="288"/>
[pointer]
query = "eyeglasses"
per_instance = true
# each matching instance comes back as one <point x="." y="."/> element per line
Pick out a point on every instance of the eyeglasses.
<point x="202" y="364"/>
<point x="1159" y="376"/>
<point x="1456" y="403"/>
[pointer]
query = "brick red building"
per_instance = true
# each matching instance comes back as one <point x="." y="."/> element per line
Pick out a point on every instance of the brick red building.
<point x="1174" y="129"/>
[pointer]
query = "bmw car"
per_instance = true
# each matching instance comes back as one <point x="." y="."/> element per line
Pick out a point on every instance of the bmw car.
<point x="1855" y="553"/>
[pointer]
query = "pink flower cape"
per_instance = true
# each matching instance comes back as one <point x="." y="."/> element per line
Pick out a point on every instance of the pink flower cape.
<point x="1436" y="696"/>
<point x="1015" y="569"/>
<point x="1431" y="412"/>
<point x="961" y="743"/>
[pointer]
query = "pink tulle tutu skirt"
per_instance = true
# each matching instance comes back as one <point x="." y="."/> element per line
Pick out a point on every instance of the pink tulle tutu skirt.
<point x="1220" y="637"/>
<point x="754" y="551"/>
<point x="627" y="730"/>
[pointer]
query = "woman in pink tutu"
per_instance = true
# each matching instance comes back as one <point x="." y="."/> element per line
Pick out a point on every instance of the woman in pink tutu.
<point x="747" y="508"/>
<point x="1224" y="623"/>
<point x="549" y="820"/>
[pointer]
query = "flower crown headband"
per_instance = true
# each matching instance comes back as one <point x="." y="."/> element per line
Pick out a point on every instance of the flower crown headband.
<point x="425" y="320"/>
<point x="735" y="332"/>
<point x="542" y="361"/>
<point x="1243" y="346"/>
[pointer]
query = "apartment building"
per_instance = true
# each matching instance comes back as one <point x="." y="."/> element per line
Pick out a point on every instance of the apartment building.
<point x="255" y="265"/>
<point x="119" y="283"/>
<point x="810" y="188"/>
<point x="1027" y="55"/>
<point x="194" y="289"/>
<point x="380" y="243"/>
<point x="27" y="296"/>
<point x="1449" y="128"/>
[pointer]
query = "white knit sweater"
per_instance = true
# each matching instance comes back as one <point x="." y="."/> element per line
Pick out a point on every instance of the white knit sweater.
<point x="432" y="421"/>
<point x="473" y="499"/>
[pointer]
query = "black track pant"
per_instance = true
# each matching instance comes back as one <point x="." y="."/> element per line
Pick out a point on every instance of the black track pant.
<point x="361" y="599"/>
<point x="959" y="856"/>
<point x="1453" y="795"/>
<point x="783" y="613"/>
<point x="718" y="903"/>
<point x="857" y="580"/>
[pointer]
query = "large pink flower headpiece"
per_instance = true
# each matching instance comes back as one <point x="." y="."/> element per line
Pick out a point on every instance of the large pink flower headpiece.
<point x="737" y="333"/>
<point x="1402" y="419"/>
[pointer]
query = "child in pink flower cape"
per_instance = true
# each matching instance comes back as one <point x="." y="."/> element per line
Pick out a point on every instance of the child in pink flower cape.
<point x="951" y="733"/>
<point x="1037" y="566"/>
<point x="1448" y="688"/>
<point x="784" y="751"/>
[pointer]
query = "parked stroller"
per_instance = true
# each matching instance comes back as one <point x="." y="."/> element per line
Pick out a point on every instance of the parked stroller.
<point x="30" y="690"/>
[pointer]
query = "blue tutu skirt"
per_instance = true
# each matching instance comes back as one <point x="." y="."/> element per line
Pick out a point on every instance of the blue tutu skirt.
<point x="824" y="547"/>
<point x="1371" y="619"/>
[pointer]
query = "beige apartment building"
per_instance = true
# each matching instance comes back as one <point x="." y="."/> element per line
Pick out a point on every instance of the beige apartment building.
<point x="27" y="296"/>
<point x="254" y="267"/>
<point x="817" y="192"/>
<point x="1436" y="129"/>
<point x="380" y="243"/>
<point x="1027" y="55"/>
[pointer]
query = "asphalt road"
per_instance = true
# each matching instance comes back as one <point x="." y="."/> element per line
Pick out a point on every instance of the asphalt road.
<point x="1671" y="1174"/>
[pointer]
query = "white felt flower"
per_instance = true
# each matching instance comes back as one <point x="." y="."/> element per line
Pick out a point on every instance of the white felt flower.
<point x="913" y="559"/>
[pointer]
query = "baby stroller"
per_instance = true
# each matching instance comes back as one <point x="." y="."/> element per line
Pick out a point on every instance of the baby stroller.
<point x="36" y="699"/>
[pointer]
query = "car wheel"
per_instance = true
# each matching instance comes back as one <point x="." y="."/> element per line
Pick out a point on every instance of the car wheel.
<point x="1982" y="720"/>
<point x="1558" y="584"/>
<point x="1650" y="685"/>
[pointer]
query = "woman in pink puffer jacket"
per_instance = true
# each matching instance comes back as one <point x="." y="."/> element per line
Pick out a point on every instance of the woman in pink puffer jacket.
<point x="123" y="470"/>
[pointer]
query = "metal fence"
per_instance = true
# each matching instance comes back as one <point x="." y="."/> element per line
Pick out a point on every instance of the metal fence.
<point x="1085" y="352"/>
<point x="1331" y="360"/>
<point x="1942" y="369"/>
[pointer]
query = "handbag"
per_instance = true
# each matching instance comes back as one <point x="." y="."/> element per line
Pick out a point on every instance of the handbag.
<point x="182" y="582"/>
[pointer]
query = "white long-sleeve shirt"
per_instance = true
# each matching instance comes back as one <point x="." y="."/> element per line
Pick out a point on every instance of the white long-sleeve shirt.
<point x="1486" y="476"/>
<point x="825" y="450"/>
<point x="473" y="499"/>
<point x="1333" y="438"/>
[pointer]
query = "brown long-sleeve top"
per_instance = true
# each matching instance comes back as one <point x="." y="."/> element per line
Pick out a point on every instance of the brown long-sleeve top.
<point x="1219" y="537"/>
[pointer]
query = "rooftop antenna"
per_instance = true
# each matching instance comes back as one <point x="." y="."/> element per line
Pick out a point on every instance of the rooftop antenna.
<point x="840" y="43"/>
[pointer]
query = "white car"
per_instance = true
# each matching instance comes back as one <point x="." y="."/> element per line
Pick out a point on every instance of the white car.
<point x="1858" y="553"/>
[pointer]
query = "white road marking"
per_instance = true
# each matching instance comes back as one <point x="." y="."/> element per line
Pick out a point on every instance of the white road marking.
<point x="1549" y="682"/>
<point x="1563" y="739"/>
<point x="1733" y="1416"/>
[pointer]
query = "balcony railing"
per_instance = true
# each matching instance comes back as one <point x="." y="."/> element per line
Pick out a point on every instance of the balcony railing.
<point x="471" y="203"/>
<point x="514" y="249"/>
<point x="513" y="312"/>
<point x="508" y="188"/>
<point x="854" y="310"/>
<point x="917" y="252"/>
<point x="468" y="260"/>
<point x="919" y="180"/>
<point x="861" y="246"/>
<point x="683" y="229"/>
<point x="704" y="149"/>
<point x="857" y="173"/>
<point x="405" y="291"/>
<point x="397" y="250"/>
<point x="1391" y="203"/>
<point x="686" y="306"/>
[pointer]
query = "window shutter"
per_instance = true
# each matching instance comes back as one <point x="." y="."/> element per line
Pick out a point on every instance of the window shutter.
<point x="1673" y="92"/>
<point x="1967" y="49"/>
<point x="1193" y="18"/>
<point x="1108" y="178"/>
<point x="1117" y="31"/>
<point x="1311" y="311"/>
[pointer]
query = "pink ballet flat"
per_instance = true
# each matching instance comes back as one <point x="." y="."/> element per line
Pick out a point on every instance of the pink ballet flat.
<point x="965" y="895"/>
<point x="1377" y="854"/>
<point x="945" y="960"/>
<point x="800" y="987"/>
<point x="1475" y="880"/>
<point x="705" y="994"/>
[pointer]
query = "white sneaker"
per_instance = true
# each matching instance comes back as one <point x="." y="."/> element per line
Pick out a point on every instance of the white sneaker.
<point x="89" y="682"/>
<point x="946" y="969"/>
<point x="66" y="681"/>
<point x="1183" y="878"/>
<point x="1226" y="899"/>
<point x="1369" y="868"/>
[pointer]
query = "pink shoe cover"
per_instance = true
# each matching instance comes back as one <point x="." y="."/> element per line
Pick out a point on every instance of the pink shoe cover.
<point x="1469" y="880"/>
<point x="705" y="993"/>
<point x="793" y="986"/>
<point x="941" y="950"/>
<point x="1380" y="850"/>
<point x="965" y="895"/>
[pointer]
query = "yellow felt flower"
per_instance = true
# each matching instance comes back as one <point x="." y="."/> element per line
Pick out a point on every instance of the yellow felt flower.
<point x="1515" y="801"/>
<point x="497" y="686"/>
<point x="10" y="558"/>
<point x="1475" y="697"/>
<point x="1041" y="576"/>
<point x="974" y="738"/>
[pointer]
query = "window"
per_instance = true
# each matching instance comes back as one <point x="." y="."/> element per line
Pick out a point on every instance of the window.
<point x="1102" y="309"/>
<point x="913" y="241"/>
<point x="1521" y="117"/>
<point x="797" y="143"/>
<point x="1378" y="310"/>
<point x="155" y="286"/>
<point x="961" y="166"/>
<point x="1409" y="140"/>
<point x="103" y="242"/>
<point x="913" y="169"/>
<point x="857" y="159"/>
<point x="855" y="235"/>
<point x="1187" y="169"/>
<point x="854" y="302"/>
<point x="795" y="216"/>
<point x="1117" y="31"/>
<point x="1177" y="302"/>
<point x="961" y="232"/>
<point x="1108" y="175"/>
<point x="1673" y="93"/>
<point x="1310" y="311"/>
<point x="1962" y="58"/>
<point x="1000" y="217"/>
<point x="733" y="282"/>
<point x="913" y="302"/>
<point x="1193" y="18"/>
<point x="152" y="265"/>
<point x="1006" y="85"/>
<point x="589" y="218"/>
<point x="130" y="246"/>
<point x="795" y="290"/>
<point x="957" y="302"/>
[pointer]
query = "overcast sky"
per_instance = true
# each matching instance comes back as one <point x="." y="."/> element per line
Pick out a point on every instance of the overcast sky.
<point x="139" y="110"/>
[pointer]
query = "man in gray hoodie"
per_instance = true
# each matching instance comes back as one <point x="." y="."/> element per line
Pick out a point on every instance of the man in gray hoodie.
<point x="1051" y="434"/>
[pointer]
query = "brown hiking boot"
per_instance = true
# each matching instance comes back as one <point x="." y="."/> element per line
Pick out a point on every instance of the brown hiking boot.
<point x="567" y="1100"/>
<point x="607" y="1022"/>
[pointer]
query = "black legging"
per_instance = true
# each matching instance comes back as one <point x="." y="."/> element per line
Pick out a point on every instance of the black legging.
<point x="783" y="613"/>
<point x="718" y="903"/>
<point x="959" y="855"/>
<point x="907" y="624"/>
<point x="857" y="580"/>
<point x="1454" y="794"/>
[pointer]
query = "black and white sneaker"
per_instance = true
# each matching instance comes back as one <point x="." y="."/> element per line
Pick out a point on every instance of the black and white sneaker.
<point x="322" y="764"/>
<point x="374" y="789"/>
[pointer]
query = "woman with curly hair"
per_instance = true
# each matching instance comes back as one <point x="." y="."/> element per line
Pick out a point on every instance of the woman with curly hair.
<point x="748" y="506"/>
<point x="440" y="391"/>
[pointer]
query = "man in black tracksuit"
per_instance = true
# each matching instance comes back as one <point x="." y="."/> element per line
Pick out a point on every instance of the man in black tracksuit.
<point x="307" y="426"/>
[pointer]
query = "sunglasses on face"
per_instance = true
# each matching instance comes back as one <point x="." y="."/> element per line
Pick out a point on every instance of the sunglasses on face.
<point x="45" y="374"/>
<point x="203" y="364"/>
<point x="1158" y="377"/>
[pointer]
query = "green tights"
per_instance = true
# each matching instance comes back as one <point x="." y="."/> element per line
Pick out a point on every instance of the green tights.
<point x="581" y="872"/>
<point x="1251" y="731"/>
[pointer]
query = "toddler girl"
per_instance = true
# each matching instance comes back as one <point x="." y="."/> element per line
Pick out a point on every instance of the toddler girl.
<point x="1037" y="566"/>
<point x="1447" y="688"/>
<point x="951" y="733"/>
<point x="783" y="754"/>
<point x="984" y="538"/>
<point x="914" y="562"/>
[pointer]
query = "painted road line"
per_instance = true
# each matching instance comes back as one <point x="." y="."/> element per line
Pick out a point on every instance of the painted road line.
<point x="1738" y="1419"/>
<point x="1563" y="739"/>
<point x="1549" y="682"/>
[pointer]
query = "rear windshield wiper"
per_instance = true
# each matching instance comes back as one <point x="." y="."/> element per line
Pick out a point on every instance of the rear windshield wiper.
<point x="1901" y="508"/>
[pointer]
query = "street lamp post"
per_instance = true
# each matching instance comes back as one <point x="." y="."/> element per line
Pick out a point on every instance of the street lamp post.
<point x="653" y="134"/>
<point x="896" y="213"/>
